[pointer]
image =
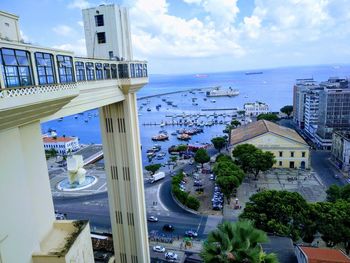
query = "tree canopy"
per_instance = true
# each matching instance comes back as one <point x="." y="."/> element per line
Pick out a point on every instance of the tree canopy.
<point x="153" y="168"/>
<point x="253" y="160"/>
<point x="267" y="116"/>
<point x="202" y="156"/>
<point x="288" y="109"/>
<point x="281" y="212"/>
<point x="236" y="242"/>
<point x="229" y="175"/>
<point x="235" y="123"/>
<point x="335" y="193"/>
<point x="219" y="143"/>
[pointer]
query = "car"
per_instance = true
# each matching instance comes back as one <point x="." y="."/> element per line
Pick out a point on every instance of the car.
<point x="168" y="228"/>
<point x="171" y="256"/>
<point x="152" y="219"/>
<point x="191" y="162"/>
<point x="158" y="249"/>
<point x="197" y="183"/>
<point x="191" y="233"/>
<point x="212" y="177"/>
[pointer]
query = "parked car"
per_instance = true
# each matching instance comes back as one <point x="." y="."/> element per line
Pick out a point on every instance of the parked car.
<point x="152" y="219"/>
<point x="159" y="249"/>
<point x="170" y="256"/>
<point x="197" y="183"/>
<point x="191" y="233"/>
<point x="212" y="177"/>
<point x="168" y="228"/>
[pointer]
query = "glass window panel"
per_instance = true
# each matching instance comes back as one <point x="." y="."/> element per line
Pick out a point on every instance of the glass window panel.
<point x="10" y="60"/>
<point x="6" y="51"/>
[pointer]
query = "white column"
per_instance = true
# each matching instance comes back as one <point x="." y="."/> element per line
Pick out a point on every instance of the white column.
<point x="122" y="153"/>
<point x="26" y="204"/>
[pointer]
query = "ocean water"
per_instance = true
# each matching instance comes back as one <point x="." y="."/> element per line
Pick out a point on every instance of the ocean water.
<point x="274" y="87"/>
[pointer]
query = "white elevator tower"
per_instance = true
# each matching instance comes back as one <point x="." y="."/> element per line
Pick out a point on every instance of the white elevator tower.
<point x="107" y="32"/>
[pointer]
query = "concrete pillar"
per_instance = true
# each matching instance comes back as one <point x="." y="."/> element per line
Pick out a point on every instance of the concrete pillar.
<point x="122" y="153"/>
<point x="27" y="212"/>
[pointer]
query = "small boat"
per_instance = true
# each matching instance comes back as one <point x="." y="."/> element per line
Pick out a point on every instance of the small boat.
<point x="174" y="133"/>
<point x="60" y="119"/>
<point x="213" y="101"/>
<point x="86" y="120"/>
<point x="161" y="155"/>
<point x="205" y="99"/>
<point x="160" y="137"/>
<point x="156" y="148"/>
<point x="76" y="117"/>
<point x="148" y="109"/>
<point x="184" y="137"/>
<point x="195" y="104"/>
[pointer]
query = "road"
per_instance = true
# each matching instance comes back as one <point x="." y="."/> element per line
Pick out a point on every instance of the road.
<point x="95" y="209"/>
<point x="325" y="170"/>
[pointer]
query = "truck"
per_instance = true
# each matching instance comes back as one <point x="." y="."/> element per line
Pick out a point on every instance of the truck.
<point x="156" y="177"/>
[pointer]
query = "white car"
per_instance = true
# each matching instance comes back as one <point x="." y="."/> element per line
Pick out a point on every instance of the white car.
<point x="153" y="219"/>
<point x="159" y="249"/>
<point x="171" y="256"/>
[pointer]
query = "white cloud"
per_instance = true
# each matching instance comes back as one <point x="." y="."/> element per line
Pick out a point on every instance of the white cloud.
<point x="80" y="23"/>
<point x="63" y="30"/>
<point x="156" y="33"/>
<point x="192" y="1"/>
<point x="78" y="47"/>
<point x="80" y="4"/>
<point x="24" y="37"/>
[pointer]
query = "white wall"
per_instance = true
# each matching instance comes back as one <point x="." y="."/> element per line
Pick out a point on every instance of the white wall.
<point x="9" y="26"/>
<point x="116" y="27"/>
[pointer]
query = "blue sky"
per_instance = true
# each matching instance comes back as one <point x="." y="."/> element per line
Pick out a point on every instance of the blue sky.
<point x="200" y="36"/>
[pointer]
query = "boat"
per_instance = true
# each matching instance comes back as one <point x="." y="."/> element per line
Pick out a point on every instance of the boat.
<point x="174" y="133"/>
<point x="184" y="137"/>
<point x="201" y="75"/>
<point x="76" y="117"/>
<point x="245" y="97"/>
<point x="60" y="119"/>
<point x="163" y="132"/>
<point x="195" y="104"/>
<point x="161" y="155"/>
<point x="148" y="109"/>
<point x="86" y="120"/>
<point x="213" y="101"/>
<point x="253" y="72"/>
<point x="205" y="99"/>
<point x="160" y="137"/>
<point x="218" y="92"/>
<point x="156" y="147"/>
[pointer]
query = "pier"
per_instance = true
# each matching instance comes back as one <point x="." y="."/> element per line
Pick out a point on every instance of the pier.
<point x="174" y="92"/>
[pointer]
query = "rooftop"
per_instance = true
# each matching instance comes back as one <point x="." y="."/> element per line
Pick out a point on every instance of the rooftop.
<point x="324" y="255"/>
<point x="58" y="139"/>
<point x="261" y="127"/>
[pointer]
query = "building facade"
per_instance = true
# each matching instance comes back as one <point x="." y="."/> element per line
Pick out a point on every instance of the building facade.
<point x="63" y="145"/>
<point x="289" y="149"/>
<point x="107" y="32"/>
<point x="334" y="111"/>
<point x="255" y="108"/>
<point x="311" y="110"/>
<point x="341" y="150"/>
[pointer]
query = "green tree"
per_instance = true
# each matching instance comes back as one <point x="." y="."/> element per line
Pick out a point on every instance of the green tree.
<point x="288" y="109"/>
<point x="202" y="156"/>
<point x="241" y="112"/>
<point x="252" y="159"/>
<point x="227" y="185"/>
<point x="281" y="212"/>
<point x="235" y="123"/>
<point x="182" y="148"/>
<point x="173" y="158"/>
<point x="333" y="193"/>
<point x="268" y="117"/>
<point x="219" y="143"/>
<point x="153" y="168"/>
<point x="236" y="242"/>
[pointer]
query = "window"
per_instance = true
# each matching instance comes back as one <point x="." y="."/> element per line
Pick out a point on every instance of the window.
<point x="291" y="164"/>
<point x="281" y="154"/>
<point x="107" y="71"/>
<point x="145" y="70"/>
<point x="114" y="71"/>
<point x="65" y="68"/>
<point x="99" y="72"/>
<point x="110" y="54"/>
<point x="101" y="37"/>
<point x="132" y="70"/>
<point x="90" y="71"/>
<point x="45" y="68"/>
<point x="99" y="20"/>
<point x="302" y="154"/>
<point x="80" y="71"/>
<point x="123" y="71"/>
<point x="16" y="67"/>
<point x="291" y="154"/>
<point x="280" y="163"/>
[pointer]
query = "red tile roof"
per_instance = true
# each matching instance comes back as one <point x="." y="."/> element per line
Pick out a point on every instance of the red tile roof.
<point x="57" y="139"/>
<point x="324" y="255"/>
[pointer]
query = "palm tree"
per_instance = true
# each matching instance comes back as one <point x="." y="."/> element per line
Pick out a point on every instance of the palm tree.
<point x="236" y="243"/>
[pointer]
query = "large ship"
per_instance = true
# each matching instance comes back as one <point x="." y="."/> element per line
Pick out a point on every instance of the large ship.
<point x="218" y="92"/>
<point x="253" y="72"/>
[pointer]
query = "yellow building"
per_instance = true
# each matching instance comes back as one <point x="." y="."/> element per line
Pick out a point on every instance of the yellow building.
<point x="290" y="150"/>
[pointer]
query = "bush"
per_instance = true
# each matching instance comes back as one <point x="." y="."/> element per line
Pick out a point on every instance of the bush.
<point x="192" y="202"/>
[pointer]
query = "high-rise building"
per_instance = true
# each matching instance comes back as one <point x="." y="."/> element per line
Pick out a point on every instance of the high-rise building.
<point x="300" y="89"/>
<point x="311" y="108"/>
<point x="107" y="32"/>
<point x="334" y="110"/>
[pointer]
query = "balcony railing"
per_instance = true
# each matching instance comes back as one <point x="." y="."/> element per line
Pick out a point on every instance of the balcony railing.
<point x="30" y="90"/>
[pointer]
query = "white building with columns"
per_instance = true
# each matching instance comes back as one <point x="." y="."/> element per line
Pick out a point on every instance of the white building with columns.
<point x="63" y="145"/>
<point x="50" y="84"/>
